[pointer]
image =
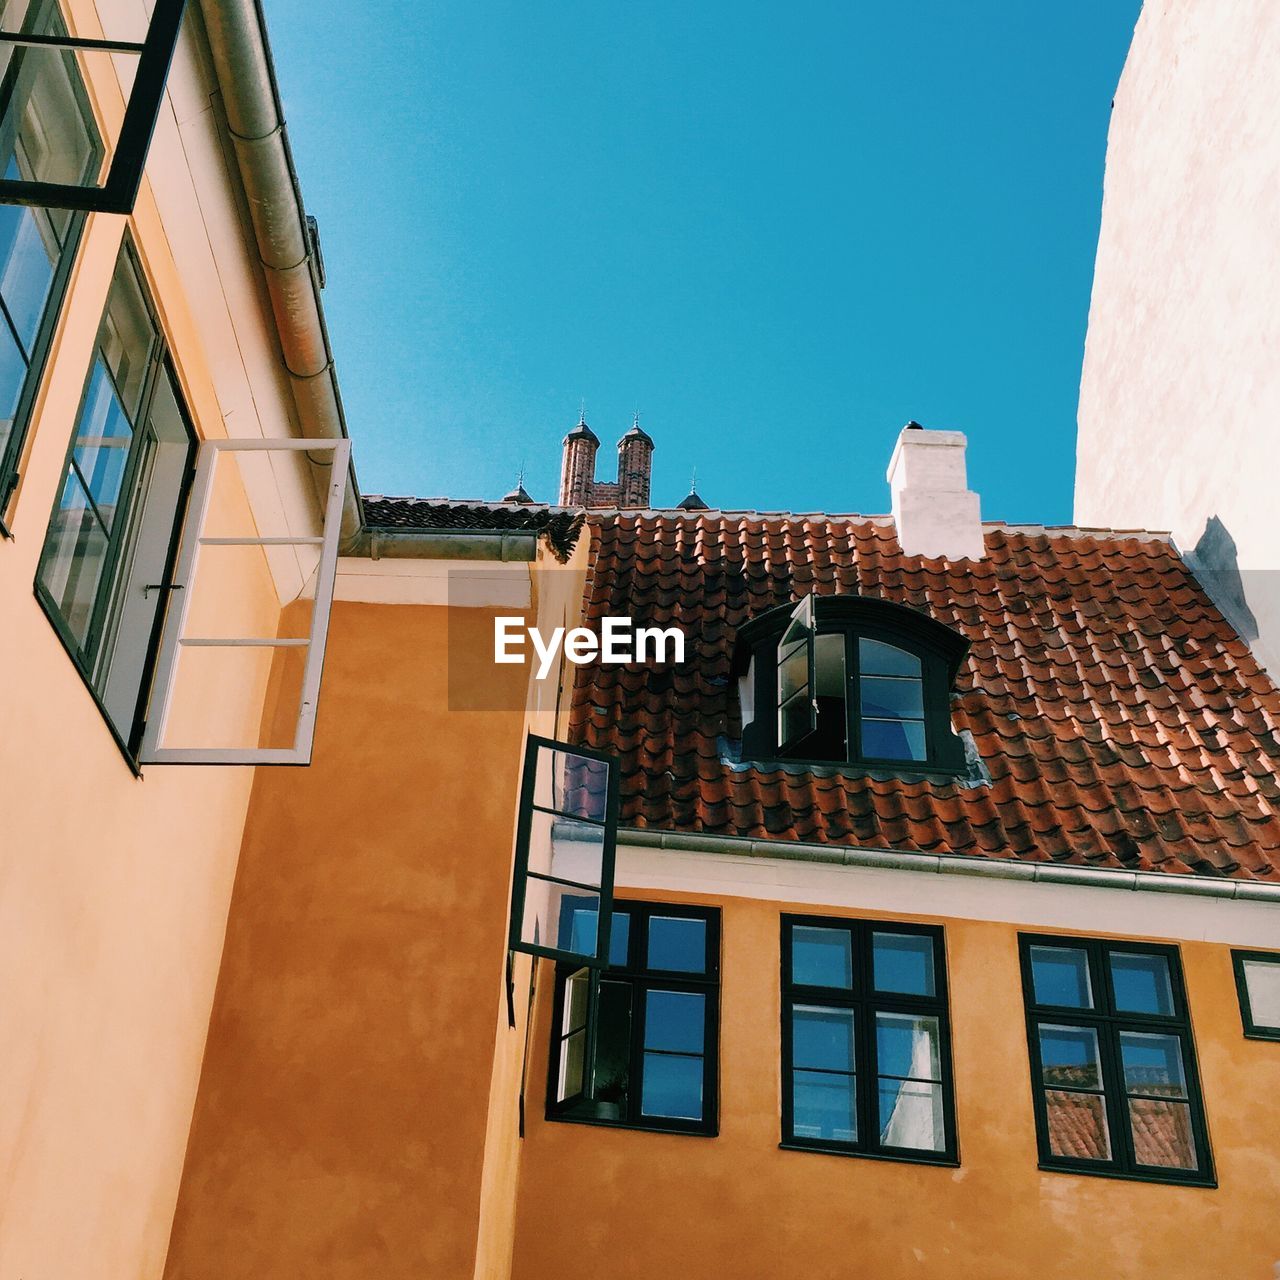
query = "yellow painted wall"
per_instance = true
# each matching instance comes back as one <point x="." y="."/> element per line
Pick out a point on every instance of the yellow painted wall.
<point x="113" y="889"/>
<point x="341" y="1124"/>
<point x="599" y="1202"/>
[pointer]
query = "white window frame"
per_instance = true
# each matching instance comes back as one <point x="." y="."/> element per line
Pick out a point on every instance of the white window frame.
<point x="172" y="640"/>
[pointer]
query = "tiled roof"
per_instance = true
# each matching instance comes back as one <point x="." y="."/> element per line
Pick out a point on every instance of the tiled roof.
<point x="1121" y="720"/>
<point x="560" y="525"/>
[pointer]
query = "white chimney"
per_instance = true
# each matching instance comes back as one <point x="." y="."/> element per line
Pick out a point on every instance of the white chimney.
<point x="936" y="514"/>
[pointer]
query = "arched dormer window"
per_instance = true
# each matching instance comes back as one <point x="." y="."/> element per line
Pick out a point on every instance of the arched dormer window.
<point x="849" y="679"/>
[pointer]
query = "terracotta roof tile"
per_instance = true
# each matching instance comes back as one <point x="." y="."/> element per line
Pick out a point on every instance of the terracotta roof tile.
<point x="1121" y="720"/>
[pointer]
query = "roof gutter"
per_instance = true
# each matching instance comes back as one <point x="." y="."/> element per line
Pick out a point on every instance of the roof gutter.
<point x="953" y="864"/>
<point x="446" y="544"/>
<point x="242" y="58"/>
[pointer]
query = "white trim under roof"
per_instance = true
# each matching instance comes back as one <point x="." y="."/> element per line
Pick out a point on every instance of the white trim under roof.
<point x="1039" y="895"/>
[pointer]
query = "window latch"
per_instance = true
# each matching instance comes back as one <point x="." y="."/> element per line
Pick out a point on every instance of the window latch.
<point x="160" y="586"/>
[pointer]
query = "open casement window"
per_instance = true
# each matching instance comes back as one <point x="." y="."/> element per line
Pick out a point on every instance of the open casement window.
<point x="562" y="889"/>
<point x="53" y="151"/>
<point x="797" y="677"/>
<point x="842" y="679"/>
<point x="635" y="1044"/>
<point x="274" y="678"/>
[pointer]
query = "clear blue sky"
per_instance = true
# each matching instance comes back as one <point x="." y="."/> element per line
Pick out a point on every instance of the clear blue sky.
<point x="778" y="230"/>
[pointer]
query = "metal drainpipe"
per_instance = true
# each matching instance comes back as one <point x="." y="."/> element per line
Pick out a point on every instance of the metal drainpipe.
<point x="242" y="57"/>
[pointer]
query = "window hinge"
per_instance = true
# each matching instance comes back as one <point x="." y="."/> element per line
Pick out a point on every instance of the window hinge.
<point x="160" y="586"/>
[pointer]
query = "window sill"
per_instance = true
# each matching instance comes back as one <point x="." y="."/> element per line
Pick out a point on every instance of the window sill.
<point x="561" y="1118"/>
<point x="1121" y="1175"/>
<point x="814" y="1149"/>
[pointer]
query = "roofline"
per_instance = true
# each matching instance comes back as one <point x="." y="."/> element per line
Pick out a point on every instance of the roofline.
<point x="952" y="864"/>
<point x="848" y="517"/>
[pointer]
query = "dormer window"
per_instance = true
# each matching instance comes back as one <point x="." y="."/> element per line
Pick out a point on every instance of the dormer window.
<point x="848" y="679"/>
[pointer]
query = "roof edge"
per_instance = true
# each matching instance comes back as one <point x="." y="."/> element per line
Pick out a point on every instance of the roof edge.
<point x="953" y="864"/>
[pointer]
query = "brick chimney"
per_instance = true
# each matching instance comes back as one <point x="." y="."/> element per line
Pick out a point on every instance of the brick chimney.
<point x="635" y="465"/>
<point x="936" y="513"/>
<point x="578" y="465"/>
<point x="580" y="488"/>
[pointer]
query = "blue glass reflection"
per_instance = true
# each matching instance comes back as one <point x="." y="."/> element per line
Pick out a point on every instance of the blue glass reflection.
<point x="675" y="1021"/>
<point x="821" y="957"/>
<point x="1141" y="983"/>
<point x="903" y="962"/>
<point x="672" y="1087"/>
<point x="677" y="944"/>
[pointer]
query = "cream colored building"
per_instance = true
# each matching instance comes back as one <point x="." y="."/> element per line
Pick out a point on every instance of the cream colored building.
<point x="1180" y="395"/>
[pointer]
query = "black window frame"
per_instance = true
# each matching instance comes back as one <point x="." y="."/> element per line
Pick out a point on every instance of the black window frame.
<point x="160" y="364"/>
<point x="119" y="190"/>
<point x="1253" y="1030"/>
<point x="866" y="1002"/>
<point x="1109" y="1023"/>
<point x="582" y="1109"/>
<point x="535" y="746"/>
<point x="939" y="649"/>
<point x="37" y="359"/>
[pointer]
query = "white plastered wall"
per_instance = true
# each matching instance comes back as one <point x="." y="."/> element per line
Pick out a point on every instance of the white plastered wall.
<point x="1179" y="411"/>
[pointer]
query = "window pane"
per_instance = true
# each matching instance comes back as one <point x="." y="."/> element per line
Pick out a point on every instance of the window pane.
<point x="613" y="1042"/>
<point x="672" y="1086"/>
<point x="1152" y="1064"/>
<point x="903" y="962"/>
<point x="877" y="659"/>
<point x="1262" y="981"/>
<point x="1077" y="1125"/>
<point x="550" y="912"/>
<point x="907" y="1045"/>
<point x="1141" y="983"/>
<point x="47" y="128"/>
<point x="675" y="1021"/>
<point x="893" y="740"/>
<point x="13" y="371"/>
<point x="572" y="1059"/>
<point x="793" y="673"/>
<point x="573" y="784"/>
<point x="1061" y="976"/>
<point x="619" y="937"/>
<point x="1162" y="1133"/>
<point x="1069" y="1057"/>
<point x="796" y="718"/>
<point x="74" y="558"/>
<point x="126" y="337"/>
<point x="822" y="1038"/>
<point x="582" y="925"/>
<point x="103" y="437"/>
<point x="892" y="699"/>
<point x="824" y="1106"/>
<point x="574" y="1014"/>
<point x="911" y="1115"/>
<point x="566" y="848"/>
<point x="821" y="957"/>
<point x="28" y="252"/>
<point x="678" y="944"/>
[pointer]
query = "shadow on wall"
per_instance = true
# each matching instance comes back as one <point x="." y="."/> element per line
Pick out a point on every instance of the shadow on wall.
<point x="1216" y="566"/>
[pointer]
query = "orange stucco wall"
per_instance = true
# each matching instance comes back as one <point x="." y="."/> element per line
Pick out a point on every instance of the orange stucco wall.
<point x="341" y="1123"/>
<point x="609" y="1202"/>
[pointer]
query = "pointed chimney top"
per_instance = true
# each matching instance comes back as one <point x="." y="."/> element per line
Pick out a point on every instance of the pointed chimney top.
<point x="637" y="432"/>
